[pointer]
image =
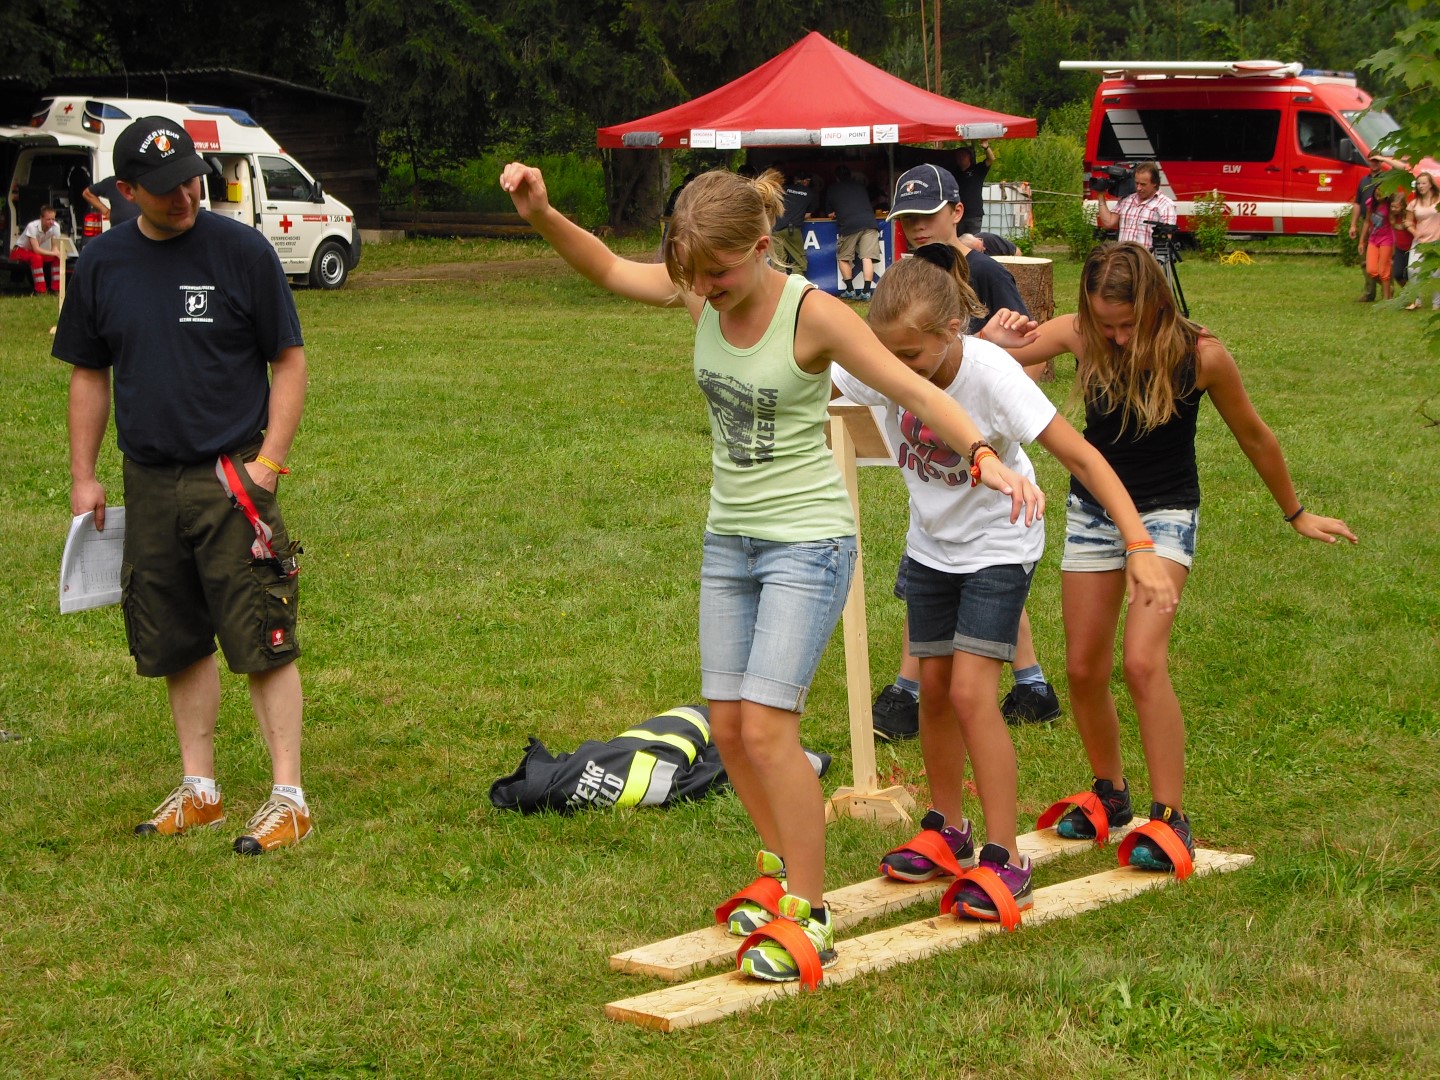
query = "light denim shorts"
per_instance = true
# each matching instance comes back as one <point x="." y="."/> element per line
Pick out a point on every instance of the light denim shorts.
<point x="1093" y="543"/>
<point x="767" y="610"/>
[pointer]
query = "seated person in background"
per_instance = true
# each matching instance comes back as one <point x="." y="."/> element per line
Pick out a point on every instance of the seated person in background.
<point x="39" y="249"/>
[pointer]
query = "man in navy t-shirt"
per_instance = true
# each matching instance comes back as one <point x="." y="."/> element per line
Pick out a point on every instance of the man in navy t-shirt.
<point x="189" y="318"/>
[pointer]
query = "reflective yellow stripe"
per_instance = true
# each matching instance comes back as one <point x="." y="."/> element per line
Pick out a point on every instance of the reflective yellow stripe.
<point x="637" y="783"/>
<point x="680" y="742"/>
<point x="687" y="713"/>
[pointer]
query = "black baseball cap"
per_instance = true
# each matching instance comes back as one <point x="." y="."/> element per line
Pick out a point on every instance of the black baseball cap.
<point x="923" y="190"/>
<point x="158" y="154"/>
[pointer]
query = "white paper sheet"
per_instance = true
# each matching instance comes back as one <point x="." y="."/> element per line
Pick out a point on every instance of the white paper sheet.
<point x="90" y="565"/>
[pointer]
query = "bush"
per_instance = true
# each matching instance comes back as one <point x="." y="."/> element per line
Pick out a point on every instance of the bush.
<point x="1052" y="165"/>
<point x="576" y="186"/>
<point x="1077" y="228"/>
<point x="1210" y="224"/>
<point x="1347" y="248"/>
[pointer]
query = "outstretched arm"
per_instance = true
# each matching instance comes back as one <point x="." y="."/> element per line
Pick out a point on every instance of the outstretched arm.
<point x="647" y="282"/>
<point x="1220" y="377"/>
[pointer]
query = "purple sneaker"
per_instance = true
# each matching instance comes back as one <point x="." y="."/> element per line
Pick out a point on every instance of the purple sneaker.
<point x="909" y="861"/>
<point x="975" y="902"/>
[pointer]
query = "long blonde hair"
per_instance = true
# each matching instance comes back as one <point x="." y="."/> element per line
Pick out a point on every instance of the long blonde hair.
<point x="719" y="213"/>
<point x="1156" y="367"/>
<point x="925" y="291"/>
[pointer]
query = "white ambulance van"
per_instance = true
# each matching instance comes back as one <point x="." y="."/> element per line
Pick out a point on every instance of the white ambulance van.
<point x="1284" y="146"/>
<point x="68" y="143"/>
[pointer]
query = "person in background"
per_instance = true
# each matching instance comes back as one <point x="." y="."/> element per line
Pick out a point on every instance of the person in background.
<point x="1133" y="213"/>
<point x="1404" y="239"/>
<point x="801" y="200"/>
<point x="39" y="249"/>
<point x="1422" y="218"/>
<point x="105" y="197"/>
<point x="848" y="202"/>
<point x="970" y="175"/>
<point x="1377" y="241"/>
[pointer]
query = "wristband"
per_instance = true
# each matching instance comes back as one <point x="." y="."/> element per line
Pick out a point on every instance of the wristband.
<point x="980" y="455"/>
<point x="1139" y="545"/>
<point x="1290" y="518"/>
<point x="278" y="469"/>
<point x="975" y="446"/>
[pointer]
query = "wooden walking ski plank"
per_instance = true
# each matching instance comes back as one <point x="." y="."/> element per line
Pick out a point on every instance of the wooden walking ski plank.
<point x="680" y="957"/>
<point x="674" y="1007"/>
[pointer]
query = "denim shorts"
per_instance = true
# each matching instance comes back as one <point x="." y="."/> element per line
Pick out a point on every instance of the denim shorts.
<point x="977" y="613"/>
<point x="1093" y="543"/>
<point x="767" y="610"/>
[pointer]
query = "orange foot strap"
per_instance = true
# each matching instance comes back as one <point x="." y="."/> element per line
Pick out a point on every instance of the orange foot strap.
<point x="1088" y="803"/>
<point x="1169" y="843"/>
<point x="993" y="887"/>
<point x="765" y="891"/>
<point x="930" y="844"/>
<point x="788" y="935"/>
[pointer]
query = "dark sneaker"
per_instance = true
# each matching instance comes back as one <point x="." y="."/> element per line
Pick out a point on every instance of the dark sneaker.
<point x="974" y="901"/>
<point x="905" y="864"/>
<point x="895" y="714"/>
<point x="1147" y="854"/>
<point x="1118" y="811"/>
<point x="1030" y="704"/>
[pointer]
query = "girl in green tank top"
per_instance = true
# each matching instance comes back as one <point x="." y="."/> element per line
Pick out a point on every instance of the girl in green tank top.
<point x="778" y="512"/>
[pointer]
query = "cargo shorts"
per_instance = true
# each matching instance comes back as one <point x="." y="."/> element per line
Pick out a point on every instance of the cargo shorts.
<point x="188" y="575"/>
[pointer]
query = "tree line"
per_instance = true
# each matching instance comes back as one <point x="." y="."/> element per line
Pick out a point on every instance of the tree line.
<point x="447" y="80"/>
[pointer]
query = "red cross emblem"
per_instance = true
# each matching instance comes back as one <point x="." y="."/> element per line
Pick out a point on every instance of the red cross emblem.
<point x="69" y="108"/>
<point x="286" y="224"/>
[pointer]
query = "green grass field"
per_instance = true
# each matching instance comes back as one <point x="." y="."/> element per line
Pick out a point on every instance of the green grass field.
<point x="500" y="483"/>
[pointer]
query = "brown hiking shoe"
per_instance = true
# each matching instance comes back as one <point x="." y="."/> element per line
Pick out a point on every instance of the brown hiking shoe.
<point x="279" y="823"/>
<point x="182" y="810"/>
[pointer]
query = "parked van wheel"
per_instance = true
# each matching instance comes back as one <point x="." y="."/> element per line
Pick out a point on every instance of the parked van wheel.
<point x="329" y="271"/>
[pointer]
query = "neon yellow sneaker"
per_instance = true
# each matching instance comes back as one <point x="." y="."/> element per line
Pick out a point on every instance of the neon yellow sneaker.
<point x="769" y="960"/>
<point x="747" y="916"/>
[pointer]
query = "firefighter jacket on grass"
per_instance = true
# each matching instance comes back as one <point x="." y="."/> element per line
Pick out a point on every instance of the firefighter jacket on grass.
<point x="665" y="759"/>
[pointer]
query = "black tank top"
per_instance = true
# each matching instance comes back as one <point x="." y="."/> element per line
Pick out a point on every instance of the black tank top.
<point x="1158" y="468"/>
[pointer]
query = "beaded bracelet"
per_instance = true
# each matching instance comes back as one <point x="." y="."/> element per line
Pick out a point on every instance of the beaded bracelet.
<point x="279" y="469"/>
<point x="975" y="446"/>
<point x="1290" y="518"/>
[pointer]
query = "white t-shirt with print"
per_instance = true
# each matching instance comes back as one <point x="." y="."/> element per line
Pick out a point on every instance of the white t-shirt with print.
<point x="953" y="527"/>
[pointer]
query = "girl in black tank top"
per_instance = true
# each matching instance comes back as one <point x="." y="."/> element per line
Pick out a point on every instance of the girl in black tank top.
<point x="1141" y="370"/>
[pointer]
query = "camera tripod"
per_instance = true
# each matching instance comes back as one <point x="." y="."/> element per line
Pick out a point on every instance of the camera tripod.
<point x="1166" y="248"/>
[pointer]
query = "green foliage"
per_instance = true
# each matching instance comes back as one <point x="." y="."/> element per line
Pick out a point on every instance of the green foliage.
<point x="1346" y="246"/>
<point x="1210" y="224"/>
<point x="1051" y="164"/>
<point x="1077" y="228"/>
<point x="575" y="184"/>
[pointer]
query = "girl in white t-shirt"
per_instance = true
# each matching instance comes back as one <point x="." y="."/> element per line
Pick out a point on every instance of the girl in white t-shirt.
<point x="970" y="570"/>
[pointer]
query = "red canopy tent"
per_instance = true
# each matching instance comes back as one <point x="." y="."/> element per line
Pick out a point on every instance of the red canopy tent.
<point x="814" y="94"/>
